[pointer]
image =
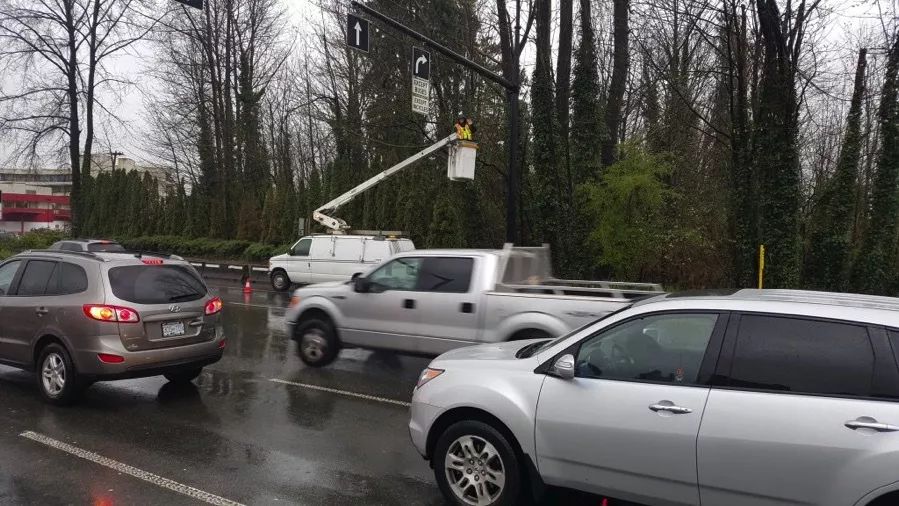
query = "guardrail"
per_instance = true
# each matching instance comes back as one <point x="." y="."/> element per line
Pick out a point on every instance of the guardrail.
<point x="231" y="271"/>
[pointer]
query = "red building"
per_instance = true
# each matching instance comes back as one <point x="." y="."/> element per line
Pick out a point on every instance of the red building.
<point x="27" y="207"/>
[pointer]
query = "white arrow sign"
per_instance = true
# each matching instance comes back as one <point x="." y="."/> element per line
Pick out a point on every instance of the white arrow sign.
<point x="420" y="61"/>
<point x="358" y="34"/>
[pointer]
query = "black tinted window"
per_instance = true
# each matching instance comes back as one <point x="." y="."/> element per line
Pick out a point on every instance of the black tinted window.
<point x="36" y="277"/>
<point x="451" y="275"/>
<point x="72" y="278"/>
<point x="155" y="284"/>
<point x="107" y="247"/>
<point x="794" y="355"/>
<point x="71" y="246"/>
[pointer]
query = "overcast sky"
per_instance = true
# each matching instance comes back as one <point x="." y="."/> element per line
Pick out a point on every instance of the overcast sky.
<point x="847" y="20"/>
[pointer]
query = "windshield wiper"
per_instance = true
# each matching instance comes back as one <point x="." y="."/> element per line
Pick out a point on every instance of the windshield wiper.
<point x="529" y="350"/>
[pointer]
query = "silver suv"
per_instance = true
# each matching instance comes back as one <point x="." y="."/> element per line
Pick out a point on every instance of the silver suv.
<point x="744" y="398"/>
<point x="76" y="317"/>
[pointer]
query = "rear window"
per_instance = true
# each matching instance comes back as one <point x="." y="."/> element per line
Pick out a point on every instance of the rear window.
<point x="106" y="247"/>
<point x="156" y="284"/>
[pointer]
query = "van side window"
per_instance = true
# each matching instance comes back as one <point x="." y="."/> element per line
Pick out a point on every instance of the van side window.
<point x="803" y="356"/>
<point x="302" y="248"/>
<point x="446" y="275"/>
<point x="70" y="246"/>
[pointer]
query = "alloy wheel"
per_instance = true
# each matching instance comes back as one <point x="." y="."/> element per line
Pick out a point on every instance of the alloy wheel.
<point x="475" y="471"/>
<point x="53" y="374"/>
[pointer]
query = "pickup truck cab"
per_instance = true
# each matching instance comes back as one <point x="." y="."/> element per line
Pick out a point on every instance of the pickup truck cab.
<point x="327" y="257"/>
<point x="427" y="302"/>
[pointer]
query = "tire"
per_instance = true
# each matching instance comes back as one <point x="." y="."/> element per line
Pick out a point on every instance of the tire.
<point x="56" y="377"/>
<point x="183" y="377"/>
<point x="280" y="281"/>
<point x="317" y="343"/>
<point x="462" y="484"/>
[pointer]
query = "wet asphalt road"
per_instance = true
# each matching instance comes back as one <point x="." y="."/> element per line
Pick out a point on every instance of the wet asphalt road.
<point x="236" y="434"/>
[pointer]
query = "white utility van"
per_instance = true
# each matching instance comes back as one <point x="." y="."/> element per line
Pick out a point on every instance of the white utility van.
<point x="326" y="257"/>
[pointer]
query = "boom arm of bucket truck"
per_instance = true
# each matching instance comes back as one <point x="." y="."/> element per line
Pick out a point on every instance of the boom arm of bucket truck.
<point x="460" y="166"/>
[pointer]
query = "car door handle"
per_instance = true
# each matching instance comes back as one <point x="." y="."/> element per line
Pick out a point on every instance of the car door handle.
<point x="879" y="427"/>
<point x="467" y="307"/>
<point x="41" y="311"/>
<point x="409" y="303"/>
<point x="677" y="410"/>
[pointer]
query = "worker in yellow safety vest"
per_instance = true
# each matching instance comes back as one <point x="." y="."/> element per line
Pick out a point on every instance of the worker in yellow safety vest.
<point x="460" y="128"/>
<point x="469" y="129"/>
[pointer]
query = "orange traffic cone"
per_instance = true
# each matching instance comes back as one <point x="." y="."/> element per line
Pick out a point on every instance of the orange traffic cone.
<point x="247" y="288"/>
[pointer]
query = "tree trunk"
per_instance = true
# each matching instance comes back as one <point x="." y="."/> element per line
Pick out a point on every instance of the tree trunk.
<point x="72" y="93"/>
<point x="617" y="85"/>
<point x="563" y="86"/>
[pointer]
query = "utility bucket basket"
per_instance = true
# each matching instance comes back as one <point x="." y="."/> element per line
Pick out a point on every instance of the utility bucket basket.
<point x="460" y="163"/>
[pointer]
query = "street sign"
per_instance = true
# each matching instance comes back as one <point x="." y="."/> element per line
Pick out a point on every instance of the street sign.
<point x="357" y="32"/>
<point x="421" y="93"/>
<point x="196" y="4"/>
<point x="421" y="63"/>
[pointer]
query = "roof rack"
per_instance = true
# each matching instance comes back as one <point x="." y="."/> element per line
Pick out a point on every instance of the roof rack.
<point x="88" y="254"/>
<point x="139" y="254"/>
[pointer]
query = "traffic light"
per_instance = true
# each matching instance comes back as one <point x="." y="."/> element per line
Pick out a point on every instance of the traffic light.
<point x="196" y="4"/>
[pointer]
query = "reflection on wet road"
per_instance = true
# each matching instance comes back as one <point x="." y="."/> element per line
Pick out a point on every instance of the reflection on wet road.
<point x="236" y="434"/>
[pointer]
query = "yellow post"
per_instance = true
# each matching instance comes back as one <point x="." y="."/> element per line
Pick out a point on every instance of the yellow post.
<point x="761" y="266"/>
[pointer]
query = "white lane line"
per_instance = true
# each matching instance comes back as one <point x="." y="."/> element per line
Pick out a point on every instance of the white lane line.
<point x="213" y="266"/>
<point x="260" y="269"/>
<point x="254" y="305"/>
<point x="343" y="392"/>
<point x="235" y="267"/>
<point x="159" y="481"/>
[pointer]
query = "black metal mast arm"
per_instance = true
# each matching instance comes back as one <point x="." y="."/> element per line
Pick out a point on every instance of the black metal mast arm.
<point x="480" y="69"/>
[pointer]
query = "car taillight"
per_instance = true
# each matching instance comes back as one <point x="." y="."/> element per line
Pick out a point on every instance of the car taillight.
<point x="294" y="301"/>
<point x="107" y="358"/>
<point x="213" y="306"/>
<point x="113" y="314"/>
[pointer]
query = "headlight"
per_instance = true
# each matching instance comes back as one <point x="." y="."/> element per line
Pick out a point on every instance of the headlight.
<point x="427" y="375"/>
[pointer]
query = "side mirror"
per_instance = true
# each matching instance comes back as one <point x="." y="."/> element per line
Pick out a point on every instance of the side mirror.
<point x="360" y="284"/>
<point x="564" y="367"/>
<point x="356" y="275"/>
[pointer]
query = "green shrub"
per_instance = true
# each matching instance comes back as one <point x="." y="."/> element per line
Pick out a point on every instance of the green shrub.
<point x="204" y="248"/>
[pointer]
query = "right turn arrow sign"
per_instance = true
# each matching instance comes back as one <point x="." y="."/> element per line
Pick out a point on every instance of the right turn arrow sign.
<point x="421" y="63"/>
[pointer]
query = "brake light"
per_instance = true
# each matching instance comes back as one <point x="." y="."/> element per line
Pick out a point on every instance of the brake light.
<point x="222" y="344"/>
<point x="151" y="261"/>
<point x="213" y="306"/>
<point x="113" y="314"/>
<point x="106" y="358"/>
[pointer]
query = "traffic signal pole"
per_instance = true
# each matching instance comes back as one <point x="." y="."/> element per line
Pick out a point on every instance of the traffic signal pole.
<point x="512" y="97"/>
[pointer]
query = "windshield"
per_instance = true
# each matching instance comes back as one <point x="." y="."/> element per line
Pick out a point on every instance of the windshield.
<point x="545" y="345"/>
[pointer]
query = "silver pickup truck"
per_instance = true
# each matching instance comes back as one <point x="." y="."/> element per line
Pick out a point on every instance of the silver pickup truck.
<point x="428" y="302"/>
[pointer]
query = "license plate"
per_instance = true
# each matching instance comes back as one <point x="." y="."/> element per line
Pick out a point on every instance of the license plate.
<point x="172" y="329"/>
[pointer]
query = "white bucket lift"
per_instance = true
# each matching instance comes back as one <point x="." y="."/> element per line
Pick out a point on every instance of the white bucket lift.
<point x="461" y="160"/>
<point x="460" y="166"/>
